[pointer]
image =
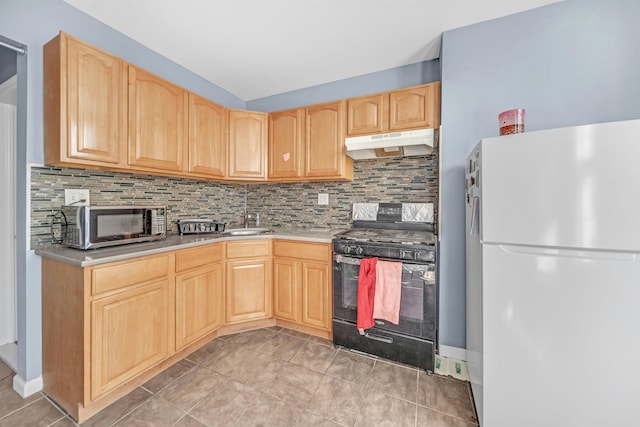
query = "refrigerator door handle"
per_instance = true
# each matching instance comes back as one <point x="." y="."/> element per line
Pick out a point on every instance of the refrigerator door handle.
<point x="474" y="215"/>
<point x="593" y="255"/>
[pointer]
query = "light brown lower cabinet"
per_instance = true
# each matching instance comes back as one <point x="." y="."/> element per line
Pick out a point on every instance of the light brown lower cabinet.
<point x="129" y="334"/>
<point x="107" y="329"/>
<point x="302" y="285"/>
<point x="199" y="292"/>
<point x="248" y="280"/>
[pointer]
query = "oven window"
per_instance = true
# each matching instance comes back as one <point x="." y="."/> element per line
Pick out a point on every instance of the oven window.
<point x="412" y="296"/>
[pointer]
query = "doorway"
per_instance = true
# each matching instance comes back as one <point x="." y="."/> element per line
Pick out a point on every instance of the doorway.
<point x="8" y="301"/>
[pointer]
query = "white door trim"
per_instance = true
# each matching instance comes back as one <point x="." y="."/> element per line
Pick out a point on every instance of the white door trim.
<point x="8" y="303"/>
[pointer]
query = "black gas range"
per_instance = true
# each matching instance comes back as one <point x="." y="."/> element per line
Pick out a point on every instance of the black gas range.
<point x="398" y="233"/>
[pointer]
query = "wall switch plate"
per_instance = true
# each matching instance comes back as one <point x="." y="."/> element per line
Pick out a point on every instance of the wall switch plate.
<point x="76" y="197"/>
<point x="323" y="198"/>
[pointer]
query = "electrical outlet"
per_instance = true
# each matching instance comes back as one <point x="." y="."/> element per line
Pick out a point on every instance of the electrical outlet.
<point x="76" y="197"/>
<point x="323" y="198"/>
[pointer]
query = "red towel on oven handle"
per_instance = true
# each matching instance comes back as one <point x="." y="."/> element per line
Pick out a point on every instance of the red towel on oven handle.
<point x="366" y="292"/>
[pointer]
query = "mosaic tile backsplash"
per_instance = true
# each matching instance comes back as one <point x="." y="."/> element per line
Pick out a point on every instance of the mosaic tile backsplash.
<point x="407" y="180"/>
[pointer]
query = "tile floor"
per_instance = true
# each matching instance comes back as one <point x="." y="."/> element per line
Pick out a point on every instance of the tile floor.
<point x="268" y="377"/>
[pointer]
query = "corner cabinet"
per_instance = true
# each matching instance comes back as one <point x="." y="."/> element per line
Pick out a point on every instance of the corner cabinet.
<point x="248" y="135"/>
<point x="157" y="123"/>
<point x="302" y="286"/>
<point x="248" y="280"/>
<point x="411" y="108"/>
<point x="85" y="105"/>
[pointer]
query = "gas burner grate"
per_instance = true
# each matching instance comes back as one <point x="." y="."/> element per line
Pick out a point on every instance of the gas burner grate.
<point x="404" y="237"/>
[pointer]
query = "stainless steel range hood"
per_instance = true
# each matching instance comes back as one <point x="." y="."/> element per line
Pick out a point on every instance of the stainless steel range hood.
<point x="396" y="144"/>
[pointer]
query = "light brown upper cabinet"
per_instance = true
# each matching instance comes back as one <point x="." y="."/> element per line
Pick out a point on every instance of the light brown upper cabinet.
<point x="286" y="144"/>
<point x="410" y="108"/>
<point x="368" y="114"/>
<point x="157" y="123"/>
<point x="207" y="137"/>
<point x="85" y="105"/>
<point x="325" y="155"/>
<point x="247" y="145"/>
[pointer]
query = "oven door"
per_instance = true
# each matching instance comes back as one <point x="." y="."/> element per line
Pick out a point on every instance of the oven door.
<point x="418" y="301"/>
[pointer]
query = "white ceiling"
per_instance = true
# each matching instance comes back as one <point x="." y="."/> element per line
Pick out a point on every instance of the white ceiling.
<point x="257" y="48"/>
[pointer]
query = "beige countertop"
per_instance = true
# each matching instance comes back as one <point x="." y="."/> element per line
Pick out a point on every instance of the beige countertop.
<point x="174" y="242"/>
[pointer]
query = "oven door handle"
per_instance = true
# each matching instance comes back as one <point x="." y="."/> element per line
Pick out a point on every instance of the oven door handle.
<point x="346" y="259"/>
<point x="375" y="337"/>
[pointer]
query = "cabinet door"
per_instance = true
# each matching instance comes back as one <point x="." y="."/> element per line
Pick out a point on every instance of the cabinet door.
<point x="286" y="293"/>
<point x="368" y="114"/>
<point x="248" y="289"/>
<point x="85" y="105"/>
<point x="286" y="145"/>
<point x="207" y="137"/>
<point x="199" y="303"/>
<point x="415" y="107"/>
<point x="157" y="122"/>
<point x="316" y="297"/>
<point x="129" y="335"/>
<point x="247" y="145"/>
<point x="324" y="141"/>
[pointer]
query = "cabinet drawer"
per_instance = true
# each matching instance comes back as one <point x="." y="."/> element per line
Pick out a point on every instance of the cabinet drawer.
<point x="248" y="249"/>
<point x="302" y="250"/>
<point x="113" y="276"/>
<point x="197" y="257"/>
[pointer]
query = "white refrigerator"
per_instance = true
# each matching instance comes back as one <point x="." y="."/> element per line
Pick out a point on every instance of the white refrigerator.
<point x="553" y="277"/>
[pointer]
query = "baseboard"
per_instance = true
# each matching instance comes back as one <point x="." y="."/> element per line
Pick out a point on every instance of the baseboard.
<point x="453" y="352"/>
<point x="27" y="388"/>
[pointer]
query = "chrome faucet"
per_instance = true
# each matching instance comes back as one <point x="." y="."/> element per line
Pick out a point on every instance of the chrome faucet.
<point x="248" y="217"/>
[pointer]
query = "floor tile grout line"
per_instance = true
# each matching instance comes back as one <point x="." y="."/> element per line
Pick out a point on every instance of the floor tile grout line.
<point x="21" y="408"/>
<point x="475" y="423"/>
<point x="205" y="396"/>
<point x="181" y="418"/>
<point x="55" y="405"/>
<point x="130" y="411"/>
<point x="306" y="338"/>
<point x="415" y="418"/>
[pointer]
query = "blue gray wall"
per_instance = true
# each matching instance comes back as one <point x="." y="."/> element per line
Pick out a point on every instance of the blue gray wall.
<point x="33" y="23"/>
<point x="381" y="81"/>
<point x="570" y="63"/>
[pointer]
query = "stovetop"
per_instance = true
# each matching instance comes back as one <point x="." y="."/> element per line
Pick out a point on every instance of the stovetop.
<point x="402" y="245"/>
<point x="394" y="237"/>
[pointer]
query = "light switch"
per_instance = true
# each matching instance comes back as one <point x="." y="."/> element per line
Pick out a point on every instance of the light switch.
<point x="323" y="198"/>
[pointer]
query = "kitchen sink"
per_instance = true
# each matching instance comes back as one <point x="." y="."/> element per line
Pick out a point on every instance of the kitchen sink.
<point x="247" y="231"/>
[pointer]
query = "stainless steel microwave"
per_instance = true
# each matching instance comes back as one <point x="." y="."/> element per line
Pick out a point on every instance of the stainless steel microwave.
<point x="89" y="227"/>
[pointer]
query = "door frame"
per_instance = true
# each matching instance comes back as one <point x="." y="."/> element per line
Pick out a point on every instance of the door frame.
<point x="8" y="116"/>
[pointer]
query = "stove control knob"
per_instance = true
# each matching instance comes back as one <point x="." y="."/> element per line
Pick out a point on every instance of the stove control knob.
<point x="359" y="250"/>
<point x="347" y="249"/>
<point x="405" y="254"/>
